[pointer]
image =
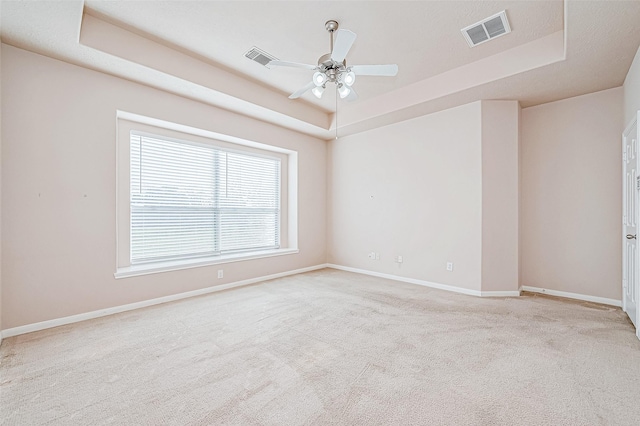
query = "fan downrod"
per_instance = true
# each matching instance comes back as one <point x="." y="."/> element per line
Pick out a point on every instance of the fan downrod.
<point x="326" y="65"/>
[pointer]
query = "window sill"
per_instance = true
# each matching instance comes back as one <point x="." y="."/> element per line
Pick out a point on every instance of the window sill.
<point x="154" y="268"/>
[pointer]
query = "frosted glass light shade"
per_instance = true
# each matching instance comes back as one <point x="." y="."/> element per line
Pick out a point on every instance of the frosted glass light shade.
<point x="344" y="91"/>
<point x="317" y="91"/>
<point x="349" y="78"/>
<point x="319" y="78"/>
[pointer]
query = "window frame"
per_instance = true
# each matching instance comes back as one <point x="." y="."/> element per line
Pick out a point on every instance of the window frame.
<point x="128" y="122"/>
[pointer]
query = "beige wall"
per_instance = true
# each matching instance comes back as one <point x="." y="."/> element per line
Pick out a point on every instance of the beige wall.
<point x="411" y="189"/>
<point x="436" y="189"/>
<point x="442" y="187"/>
<point x="500" y="127"/>
<point x="58" y="190"/>
<point x="632" y="90"/>
<point x="571" y="195"/>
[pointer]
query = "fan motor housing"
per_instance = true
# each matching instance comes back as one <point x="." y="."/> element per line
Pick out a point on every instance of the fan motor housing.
<point x="330" y="67"/>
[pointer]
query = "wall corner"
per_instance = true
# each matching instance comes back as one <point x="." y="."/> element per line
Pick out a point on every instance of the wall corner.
<point x="500" y="195"/>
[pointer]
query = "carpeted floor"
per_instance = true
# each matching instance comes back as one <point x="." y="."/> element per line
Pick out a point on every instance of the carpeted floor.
<point x="330" y="347"/>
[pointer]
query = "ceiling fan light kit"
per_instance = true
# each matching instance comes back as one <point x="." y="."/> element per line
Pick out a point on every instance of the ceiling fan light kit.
<point x="332" y="67"/>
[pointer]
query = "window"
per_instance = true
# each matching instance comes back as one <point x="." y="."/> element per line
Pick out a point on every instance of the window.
<point x="189" y="197"/>
<point x="191" y="200"/>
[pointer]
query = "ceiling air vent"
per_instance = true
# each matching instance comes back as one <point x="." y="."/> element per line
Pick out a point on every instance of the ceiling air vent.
<point x="260" y="56"/>
<point x="487" y="29"/>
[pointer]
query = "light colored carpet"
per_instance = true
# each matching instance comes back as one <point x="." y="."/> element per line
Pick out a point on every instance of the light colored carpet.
<point x="330" y="347"/>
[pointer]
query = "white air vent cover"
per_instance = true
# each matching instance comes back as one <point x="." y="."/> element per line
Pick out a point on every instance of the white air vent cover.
<point x="487" y="29"/>
<point x="260" y="56"/>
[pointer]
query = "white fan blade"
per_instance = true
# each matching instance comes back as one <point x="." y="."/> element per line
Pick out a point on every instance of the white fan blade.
<point x="381" y="70"/>
<point x="344" y="41"/>
<point x="299" y="92"/>
<point x="352" y="96"/>
<point x="293" y="64"/>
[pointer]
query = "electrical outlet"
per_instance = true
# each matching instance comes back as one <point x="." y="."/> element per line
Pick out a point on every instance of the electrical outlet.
<point x="220" y="273"/>
<point x="398" y="259"/>
<point x="450" y="266"/>
<point x="372" y="255"/>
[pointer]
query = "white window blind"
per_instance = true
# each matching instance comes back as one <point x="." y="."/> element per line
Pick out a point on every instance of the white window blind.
<point x="190" y="200"/>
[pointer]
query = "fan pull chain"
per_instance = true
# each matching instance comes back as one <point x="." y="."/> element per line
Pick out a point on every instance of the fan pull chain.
<point x="336" y="112"/>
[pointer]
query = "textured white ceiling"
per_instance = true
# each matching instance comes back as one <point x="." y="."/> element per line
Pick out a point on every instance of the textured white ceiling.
<point x="422" y="37"/>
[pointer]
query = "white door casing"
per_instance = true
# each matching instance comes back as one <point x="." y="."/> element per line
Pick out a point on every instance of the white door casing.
<point x="630" y="191"/>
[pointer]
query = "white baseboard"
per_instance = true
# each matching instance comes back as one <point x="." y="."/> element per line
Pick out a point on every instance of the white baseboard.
<point x="15" y="331"/>
<point x="143" y="304"/>
<point x="499" y="293"/>
<point x="428" y="283"/>
<point x="586" y="298"/>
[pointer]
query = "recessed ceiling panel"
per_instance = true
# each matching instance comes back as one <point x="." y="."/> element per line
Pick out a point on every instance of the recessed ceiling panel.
<point x="422" y="37"/>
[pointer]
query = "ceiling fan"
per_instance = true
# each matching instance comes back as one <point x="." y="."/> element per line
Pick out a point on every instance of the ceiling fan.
<point x="332" y="67"/>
